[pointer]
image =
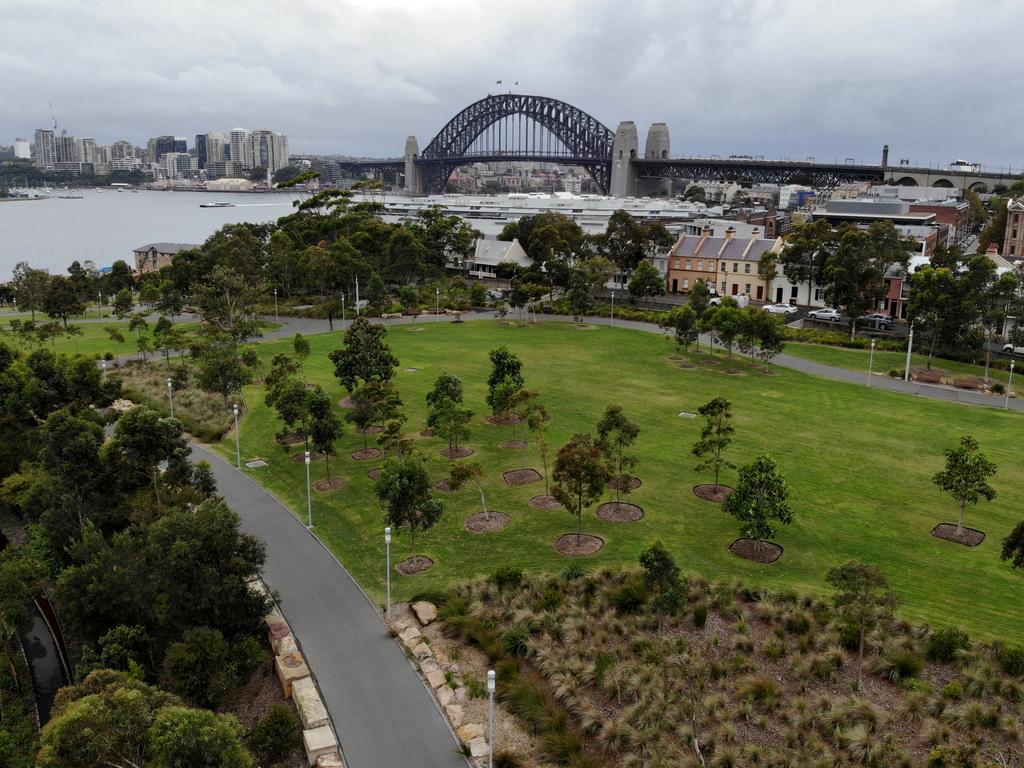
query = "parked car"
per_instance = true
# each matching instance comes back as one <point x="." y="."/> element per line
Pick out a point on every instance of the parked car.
<point x="780" y="309"/>
<point x="877" y="320"/>
<point x="741" y="300"/>
<point x="1012" y="350"/>
<point x="827" y="314"/>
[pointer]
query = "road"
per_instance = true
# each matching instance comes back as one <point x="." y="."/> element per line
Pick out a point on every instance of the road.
<point x="382" y="712"/>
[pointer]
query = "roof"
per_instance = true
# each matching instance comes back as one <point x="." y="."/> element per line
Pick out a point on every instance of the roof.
<point x="167" y="247"/>
<point x="497" y="251"/>
<point x="735" y="248"/>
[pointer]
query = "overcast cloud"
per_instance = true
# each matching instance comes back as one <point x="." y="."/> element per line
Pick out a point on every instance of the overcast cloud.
<point x="935" y="80"/>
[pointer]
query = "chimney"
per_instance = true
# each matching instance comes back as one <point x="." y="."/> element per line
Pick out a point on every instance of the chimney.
<point x="755" y="233"/>
<point x="707" y="230"/>
<point x="885" y="156"/>
<point x="729" y="233"/>
<point x="992" y="249"/>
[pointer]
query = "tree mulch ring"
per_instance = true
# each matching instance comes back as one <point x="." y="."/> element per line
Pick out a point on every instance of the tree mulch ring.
<point x="373" y="474"/>
<point x="686" y="366"/>
<point x="708" y="492"/>
<point x="414" y="330"/>
<point x="971" y="537"/>
<point x="367" y="453"/>
<point x="709" y="361"/>
<point x="617" y="483"/>
<point x="502" y="419"/>
<point x="522" y="476"/>
<point x="374" y="430"/>
<point x="585" y="327"/>
<point x="620" y="512"/>
<point x="457" y="453"/>
<point x="329" y="485"/>
<point x="291" y="438"/>
<point x="758" y="551"/>
<point x="299" y="458"/>
<point x="544" y="502"/>
<point x="676" y="357"/>
<point x="444" y="485"/>
<point x="426" y="433"/>
<point x="413" y="565"/>
<point x="514" y="444"/>
<point x="588" y="545"/>
<point x="346" y="402"/>
<point x="487" y="522"/>
<point x="732" y="372"/>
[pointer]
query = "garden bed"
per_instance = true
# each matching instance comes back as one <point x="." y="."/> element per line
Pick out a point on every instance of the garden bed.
<point x="544" y="502"/>
<point x="620" y="512"/>
<point x="329" y="485"/>
<point x="518" y="477"/>
<point x="971" y="537"/>
<point x="502" y="420"/>
<point x="413" y="565"/>
<point x="708" y="492"/>
<point x="757" y="551"/>
<point x="373" y="474"/>
<point x="617" y="483"/>
<point x="291" y="438"/>
<point x="487" y="522"/>
<point x="579" y="545"/>
<point x="457" y="453"/>
<point x="510" y="444"/>
<point x="366" y="454"/>
<point x="299" y="458"/>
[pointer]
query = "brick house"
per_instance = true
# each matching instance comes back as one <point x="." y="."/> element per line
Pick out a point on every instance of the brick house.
<point x="728" y="264"/>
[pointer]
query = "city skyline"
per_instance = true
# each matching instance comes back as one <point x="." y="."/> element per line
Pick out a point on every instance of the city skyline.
<point x="352" y="79"/>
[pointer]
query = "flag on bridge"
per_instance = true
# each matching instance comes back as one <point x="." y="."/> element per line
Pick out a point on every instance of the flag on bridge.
<point x="498" y="83"/>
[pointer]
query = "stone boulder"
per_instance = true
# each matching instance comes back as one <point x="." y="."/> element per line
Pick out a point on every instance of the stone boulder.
<point x="454" y="712"/>
<point x="478" y="747"/>
<point x="410" y="637"/>
<point x="330" y="760"/>
<point x="426" y="612"/>
<point x="319" y="741"/>
<point x="469" y="732"/>
<point x="289" y="668"/>
<point x="422" y="651"/>
<point x="307" y="700"/>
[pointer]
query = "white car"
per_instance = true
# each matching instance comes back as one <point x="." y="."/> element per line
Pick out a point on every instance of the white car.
<point x="1010" y="349"/>
<point x="780" y="309"/>
<point x="827" y="315"/>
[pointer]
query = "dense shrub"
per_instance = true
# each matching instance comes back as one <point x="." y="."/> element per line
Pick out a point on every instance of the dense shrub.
<point x="700" y="615"/>
<point x="507" y="578"/>
<point x="277" y="733"/>
<point x="944" y="643"/>
<point x="517" y="639"/>
<point x="1011" y="658"/>
<point x="203" y="667"/>
<point x="629" y="597"/>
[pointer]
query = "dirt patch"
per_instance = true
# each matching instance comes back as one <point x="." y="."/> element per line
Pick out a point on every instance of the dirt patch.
<point x="686" y="366"/>
<point x="708" y="492"/>
<point x="443" y="485"/>
<point x="971" y="537"/>
<point x="748" y="549"/>
<point x="544" y="502"/>
<point x="346" y="402"/>
<point x="585" y="327"/>
<point x="514" y="444"/>
<point x="366" y="454"/>
<point x="426" y="433"/>
<point x="709" y="361"/>
<point x="522" y="476"/>
<point x="414" y="330"/>
<point x="291" y="438"/>
<point x="299" y="458"/>
<point x="588" y="545"/>
<point x="370" y="430"/>
<point x="619" y="485"/>
<point x="329" y="485"/>
<point x="620" y="512"/>
<point x="457" y="453"/>
<point x="253" y="700"/>
<point x="487" y="522"/>
<point x="373" y="474"/>
<point x="502" y="419"/>
<point x="413" y="565"/>
<point x="732" y="372"/>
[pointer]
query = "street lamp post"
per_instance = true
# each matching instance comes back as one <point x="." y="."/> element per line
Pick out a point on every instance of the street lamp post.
<point x="309" y="496"/>
<point x="437" y="305"/>
<point x="103" y="368"/>
<point x="238" y="445"/>
<point x="910" y="346"/>
<point x="343" y="311"/>
<point x="613" y="309"/>
<point x="490" y="718"/>
<point x="170" y="395"/>
<point x="387" y="550"/>
<point x="99" y="300"/>
<point x="871" y="361"/>
<point x="1006" y="401"/>
<point x="277" y="317"/>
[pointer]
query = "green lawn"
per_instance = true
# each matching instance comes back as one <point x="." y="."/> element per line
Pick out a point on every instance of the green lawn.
<point x="858" y="359"/>
<point x="859" y="461"/>
<point x="94" y="341"/>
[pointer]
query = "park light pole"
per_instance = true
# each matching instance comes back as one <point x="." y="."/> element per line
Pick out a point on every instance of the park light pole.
<point x="1006" y="401"/>
<point x="910" y="346"/>
<point x="437" y="305"/>
<point x="99" y="300"/>
<point x="238" y="445"/>
<point x="490" y="718"/>
<point x="613" y="308"/>
<point x="387" y="555"/>
<point x="309" y="496"/>
<point x="343" y="311"/>
<point x="277" y="317"/>
<point x="871" y="361"/>
<point x="170" y="395"/>
<point x="103" y="368"/>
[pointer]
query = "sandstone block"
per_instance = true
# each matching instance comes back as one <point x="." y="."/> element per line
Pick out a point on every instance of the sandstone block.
<point x="461" y="694"/>
<point x="286" y="645"/>
<point x="435" y="679"/>
<point x="289" y="668"/>
<point x="441" y="656"/>
<point x="470" y="731"/>
<point x="330" y="760"/>
<point x="445" y="695"/>
<point x="421" y="651"/>
<point x="454" y="712"/>
<point x="319" y="741"/>
<point x="478" y="747"/>
<point x="425" y="611"/>
<point x="307" y="700"/>
<point x="410" y="636"/>
<point x="428" y="665"/>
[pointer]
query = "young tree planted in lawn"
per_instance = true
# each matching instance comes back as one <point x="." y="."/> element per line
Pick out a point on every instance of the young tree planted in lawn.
<point x="286" y="394"/>
<point x="62" y="300"/>
<point x="616" y="433"/>
<point x="760" y="498"/>
<point x="580" y="475"/>
<point x="365" y="357"/>
<point x="392" y="440"/>
<point x="469" y="472"/>
<point x="504" y="365"/>
<point x="966" y="475"/>
<point x="124" y="303"/>
<point x="404" y="487"/>
<point x="700" y="296"/>
<point x="450" y="420"/>
<point x="715" y="437"/>
<point x="325" y="427"/>
<point x="446" y="387"/>
<point x="1013" y="547"/>
<point x="376" y="402"/>
<point x="684" y="324"/>
<point x="862" y="599"/>
<point x="528" y="409"/>
<point x="726" y="324"/>
<point x="138" y="324"/>
<point x="301" y="346"/>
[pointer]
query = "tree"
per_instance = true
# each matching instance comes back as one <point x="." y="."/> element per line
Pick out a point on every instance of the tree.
<point x="286" y="394"/>
<point x="376" y="402"/>
<point x="762" y="334"/>
<point x="377" y="298"/>
<point x="965" y="476"/>
<point x="662" y="577"/>
<point x="505" y="366"/>
<point x="768" y="270"/>
<point x="616" y="433"/>
<point x="862" y="599"/>
<point x="301" y="346"/>
<point x="30" y="287"/>
<point x="580" y="475"/>
<point x="226" y="300"/>
<point x="365" y="356"/>
<point x="726" y="323"/>
<point x="70" y="452"/>
<point x="627" y="242"/>
<point x="221" y="368"/>
<point x="182" y="737"/>
<point x="170" y="301"/>
<point x="450" y="419"/>
<point x="760" y="497"/>
<point x="586" y="278"/>
<point x="527" y="409"/>
<point x="807" y="248"/>
<point x="325" y="427"/>
<point x="446" y="387"/>
<point x="124" y="303"/>
<point x="469" y="472"/>
<point x="62" y="299"/>
<point x="1013" y="546"/>
<point x="683" y="322"/>
<point x="646" y="282"/>
<point x="404" y="487"/>
<point x="699" y="297"/>
<point x="936" y="306"/>
<point x="715" y="436"/>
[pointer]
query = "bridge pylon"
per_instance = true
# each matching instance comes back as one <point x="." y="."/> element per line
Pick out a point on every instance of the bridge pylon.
<point x="656" y="148"/>
<point x="625" y="149"/>
<point x="413" y="182"/>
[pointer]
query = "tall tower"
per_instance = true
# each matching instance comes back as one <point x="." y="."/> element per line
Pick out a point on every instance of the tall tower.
<point x="656" y="148"/>
<point x="624" y="150"/>
<point x="412" y="174"/>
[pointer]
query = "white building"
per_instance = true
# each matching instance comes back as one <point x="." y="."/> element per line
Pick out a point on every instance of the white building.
<point x="240" y="145"/>
<point x="488" y="254"/>
<point x="45" y="149"/>
<point x="23" y="149"/>
<point x="178" y="165"/>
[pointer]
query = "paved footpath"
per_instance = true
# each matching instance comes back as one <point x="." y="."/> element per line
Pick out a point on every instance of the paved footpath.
<point x="382" y="712"/>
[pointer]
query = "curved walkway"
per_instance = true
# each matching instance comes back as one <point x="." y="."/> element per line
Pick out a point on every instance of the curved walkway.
<point x="382" y="712"/>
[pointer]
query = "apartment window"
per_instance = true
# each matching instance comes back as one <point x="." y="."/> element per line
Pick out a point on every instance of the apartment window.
<point x="1013" y="248"/>
<point x="686" y="283"/>
<point x="723" y="266"/>
<point x="1014" y="233"/>
<point x="688" y="264"/>
<point x="746" y="268"/>
<point x="792" y="293"/>
<point x="746" y="288"/>
<point x="723" y="286"/>
<point x="735" y="266"/>
<point x="819" y="294"/>
<point x="700" y="264"/>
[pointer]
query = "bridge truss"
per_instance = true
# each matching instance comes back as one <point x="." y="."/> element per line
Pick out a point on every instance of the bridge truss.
<point x="757" y="171"/>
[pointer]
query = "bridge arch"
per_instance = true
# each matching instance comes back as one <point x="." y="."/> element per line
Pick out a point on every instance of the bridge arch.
<point x="945" y="183"/>
<point x="907" y="181"/>
<point x="980" y="187"/>
<point x="519" y="127"/>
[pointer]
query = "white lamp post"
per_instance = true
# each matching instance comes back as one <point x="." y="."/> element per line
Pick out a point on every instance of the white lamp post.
<point x="277" y="317"/>
<point x="871" y="361"/>
<point x="387" y="549"/>
<point x="170" y="395"/>
<point x="343" y="311"/>
<point x="99" y="300"/>
<point x="437" y="305"/>
<point x="910" y="346"/>
<point x="490" y="718"/>
<point x="613" y="308"/>
<point x="103" y="368"/>
<point x="1006" y="401"/>
<point x="309" y="496"/>
<point x="238" y="445"/>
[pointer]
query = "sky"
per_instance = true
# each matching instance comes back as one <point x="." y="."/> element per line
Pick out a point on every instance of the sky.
<point x="936" y="80"/>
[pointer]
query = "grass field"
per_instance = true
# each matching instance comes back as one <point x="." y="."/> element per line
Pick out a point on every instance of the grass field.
<point x="859" y="461"/>
<point x="94" y="341"/>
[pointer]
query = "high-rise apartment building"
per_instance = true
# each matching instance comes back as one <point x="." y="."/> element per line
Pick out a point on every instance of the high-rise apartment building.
<point x="122" y="150"/>
<point x="178" y="165"/>
<point x="180" y="144"/>
<point x="270" y="150"/>
<point x="67" y="152"/>
<point x="241" y="147"/>
<point x="23" y="149"/>
<point x="45" y="149"/>
<point x="159" y="147"/>
<point x="85" y="150"/>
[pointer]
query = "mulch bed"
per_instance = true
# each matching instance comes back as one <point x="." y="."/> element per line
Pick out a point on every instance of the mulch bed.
<point x="619" y="512"/>
<point x="426" y="433"/>
<point x="292" y="438"/>
<point x="544" y="502"/>
<point x="566" y="544"/>
<point x="413" y="565"/>
<point x="585" y="327"/>
<point x="457" y="453"/>
<point x="748" y="550"/>
<point x="370" y="430"/>
<point x="487" y="522"/>
<point x="522" y="476"/>
<point x="971" y="537"/>
<point x="709" y="361"/>
<point x="299" y="458"/>
<point x="373" y="474"/>
<point x="618" y="485"/>
<point x="328" y="485"/>
<point x="502" y="419"/>
<point x="686" y="366"/>
<point x="732" y="372"/>
<point x="368" y="453"/>
<point x="346" y="402"/>
<point x="708" y="492"/>
<point x="443" y="485"/>
<point x="514" y="444"/>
